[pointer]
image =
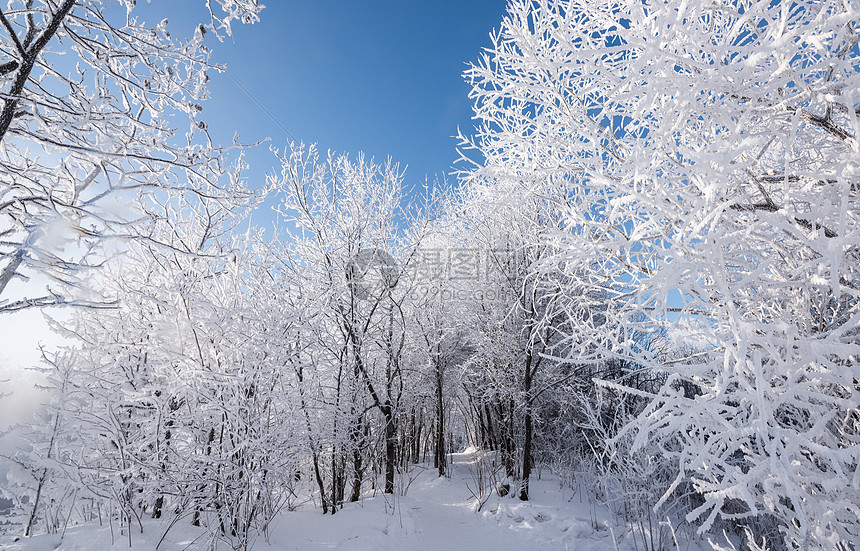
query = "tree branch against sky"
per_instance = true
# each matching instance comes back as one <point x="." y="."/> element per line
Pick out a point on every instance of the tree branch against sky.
<point x="92" y="101"/>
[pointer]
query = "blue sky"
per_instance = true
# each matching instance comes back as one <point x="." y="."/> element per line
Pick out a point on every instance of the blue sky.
<point x="382" y="77"/>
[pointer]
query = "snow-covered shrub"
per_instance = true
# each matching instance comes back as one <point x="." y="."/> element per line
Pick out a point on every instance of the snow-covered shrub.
<point x="630" y="482"/>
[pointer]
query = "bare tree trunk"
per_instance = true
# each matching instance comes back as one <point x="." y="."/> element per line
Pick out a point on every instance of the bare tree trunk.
<point x="28" y="54"/>
<point x="416" y="442"/>
<point x="10" y="268"/>
<point x="390" y="447"/>
<point x="488" y="433"/>
<point x="359" y="439"/>
<point x="320" y="483"/>
<point x="527" y="445"/>
<point x="440" y="458"/>
<point x="506" y="418"/>
<point x="32" y="518"/>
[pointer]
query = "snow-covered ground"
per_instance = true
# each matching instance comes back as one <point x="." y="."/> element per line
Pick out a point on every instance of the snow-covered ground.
<point x="436" y="514"/>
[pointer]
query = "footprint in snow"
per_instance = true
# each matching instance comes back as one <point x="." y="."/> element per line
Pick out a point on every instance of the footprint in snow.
<point x="540" y="517"/>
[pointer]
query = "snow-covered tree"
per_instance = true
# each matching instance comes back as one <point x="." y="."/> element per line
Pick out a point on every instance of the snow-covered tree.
<point x="436" y="335"/>
<point x="93" y="101"/>
<point x="175" y="402"/>
<point x="522" y="342"/>
<point x="344" y="252"/>
<point x="710" y="154"/>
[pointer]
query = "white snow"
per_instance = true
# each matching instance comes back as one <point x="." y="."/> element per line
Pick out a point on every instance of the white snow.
<point x="436" y="514"/>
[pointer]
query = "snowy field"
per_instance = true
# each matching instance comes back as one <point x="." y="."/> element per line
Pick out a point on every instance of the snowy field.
<point x="436" y="514"/>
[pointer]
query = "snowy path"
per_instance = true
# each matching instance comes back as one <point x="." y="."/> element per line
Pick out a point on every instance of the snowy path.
<point x="437" y="514"/>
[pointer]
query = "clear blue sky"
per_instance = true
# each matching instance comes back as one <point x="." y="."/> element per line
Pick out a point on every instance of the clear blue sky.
<point x="383" y="77"/>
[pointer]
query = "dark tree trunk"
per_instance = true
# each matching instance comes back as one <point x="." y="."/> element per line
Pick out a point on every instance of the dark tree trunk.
<point x="320" y="483"/>
<point x="359" y="441"/>
<point x="488" y="439"/>
<point x="416" y="439"/>
<point x="390" y="447"/>
<point x="334" y="483"/>
<point x="439" y="459"/>
<point x="28" y="61"/>
<point x="527" y="444"/>
<point x="507" y="438"/>
<point x="32" y="518"/>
